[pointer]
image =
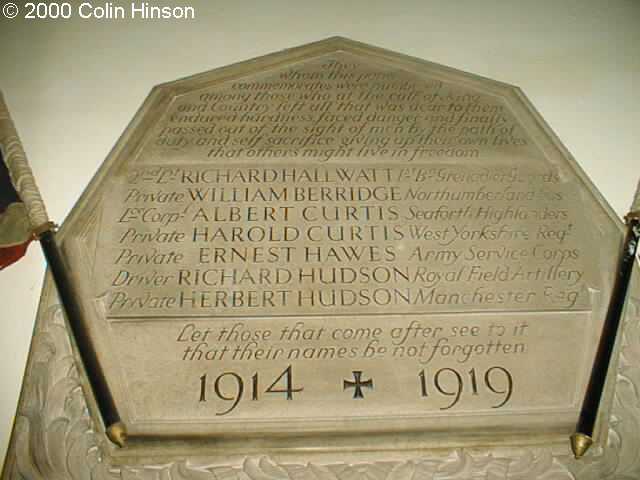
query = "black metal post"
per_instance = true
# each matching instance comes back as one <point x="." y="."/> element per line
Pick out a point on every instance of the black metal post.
<point x="76" y="322"/>
<point x="582" y="439"/>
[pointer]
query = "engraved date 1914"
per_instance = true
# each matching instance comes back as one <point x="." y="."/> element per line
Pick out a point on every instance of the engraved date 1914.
<point x="230" y="387"/>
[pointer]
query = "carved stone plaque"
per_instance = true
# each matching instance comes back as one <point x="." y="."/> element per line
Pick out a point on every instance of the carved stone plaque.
<point x="341" y="247"/>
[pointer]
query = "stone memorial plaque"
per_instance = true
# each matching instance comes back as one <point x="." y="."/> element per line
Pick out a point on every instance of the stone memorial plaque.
<point x="339" y="247"/>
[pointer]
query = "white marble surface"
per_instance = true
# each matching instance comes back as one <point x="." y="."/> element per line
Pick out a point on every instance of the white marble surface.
<point x="72" y="87"/>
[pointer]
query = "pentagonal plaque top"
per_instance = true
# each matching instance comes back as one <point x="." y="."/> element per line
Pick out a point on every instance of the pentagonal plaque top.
<point x="341" y="239"/>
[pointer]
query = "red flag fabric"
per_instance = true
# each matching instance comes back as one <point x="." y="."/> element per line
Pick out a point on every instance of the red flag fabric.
<point x="15" y="229"/>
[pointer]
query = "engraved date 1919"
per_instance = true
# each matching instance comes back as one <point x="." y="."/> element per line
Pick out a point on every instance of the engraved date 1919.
<point x="452" y="383"/>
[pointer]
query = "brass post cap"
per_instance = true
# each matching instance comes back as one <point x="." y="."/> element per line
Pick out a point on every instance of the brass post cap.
<point x="580" y="443"/>
<point x="45" y="227"/>
<point x="117" y="433"/>
<point x="634" y="215"/>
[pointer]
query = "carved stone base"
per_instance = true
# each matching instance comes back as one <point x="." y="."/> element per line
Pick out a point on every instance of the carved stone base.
<point x="55" y="437"/>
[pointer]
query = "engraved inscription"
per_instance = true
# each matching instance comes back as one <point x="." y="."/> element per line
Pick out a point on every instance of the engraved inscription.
<point x="330" y="239"/>
<point x="287" y="242"/>
<point x="337" y="109"/>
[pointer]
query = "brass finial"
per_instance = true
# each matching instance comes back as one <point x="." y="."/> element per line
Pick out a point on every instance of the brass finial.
<point x="580" y="443"/>
<point x="117" y="433"/>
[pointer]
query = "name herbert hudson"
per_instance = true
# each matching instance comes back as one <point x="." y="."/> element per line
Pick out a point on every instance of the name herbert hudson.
<point x="136" y="11"/>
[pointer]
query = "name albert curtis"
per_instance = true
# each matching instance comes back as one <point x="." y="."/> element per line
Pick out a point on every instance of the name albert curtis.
<point x="136" y="11"/>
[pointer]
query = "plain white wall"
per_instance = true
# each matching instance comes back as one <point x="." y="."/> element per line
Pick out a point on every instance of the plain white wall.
<point x="73" y="85"/>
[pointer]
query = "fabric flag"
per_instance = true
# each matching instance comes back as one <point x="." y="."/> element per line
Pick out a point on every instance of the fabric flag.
<point x="15" y="228"/>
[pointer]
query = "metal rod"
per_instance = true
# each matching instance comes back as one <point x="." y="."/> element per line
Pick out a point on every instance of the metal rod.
<point x="24" y="182"/>
<point x="582" y="439"/>
<point x="76" y="321"/>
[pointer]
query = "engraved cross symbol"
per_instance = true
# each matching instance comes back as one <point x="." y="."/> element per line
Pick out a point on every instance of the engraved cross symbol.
<point x="357" y="384"/>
